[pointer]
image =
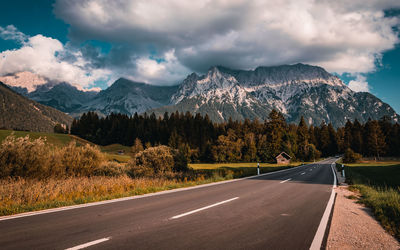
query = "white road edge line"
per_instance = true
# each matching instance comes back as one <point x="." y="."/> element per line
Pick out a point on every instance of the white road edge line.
<point x="319" y="236"/>
<point x="285" y="180"/>
<point x="53" y="210"/>
<point x="89" y="244"/>
<point x="203" y="208"/>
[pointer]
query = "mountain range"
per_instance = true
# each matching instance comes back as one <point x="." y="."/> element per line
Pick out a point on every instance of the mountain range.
<point x="223" y="93"/>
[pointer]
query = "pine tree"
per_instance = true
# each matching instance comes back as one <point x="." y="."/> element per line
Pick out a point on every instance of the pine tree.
<point x="249" y="148"/>
<point x="348" y="136"/>
<point x="357" y="138"/>
<point x="137" y="146"/>
<point x="302" y="139"/>
<point x="375" y="140"/>
<point x="275" y="127"/>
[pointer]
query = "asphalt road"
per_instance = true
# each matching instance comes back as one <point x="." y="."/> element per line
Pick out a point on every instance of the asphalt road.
<point x="277" y="211"/>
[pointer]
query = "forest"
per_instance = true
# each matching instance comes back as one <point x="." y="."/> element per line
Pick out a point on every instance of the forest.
<point x="201" y="140"/>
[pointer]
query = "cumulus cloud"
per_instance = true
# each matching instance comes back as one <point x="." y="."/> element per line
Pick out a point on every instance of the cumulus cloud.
<point x="47" y="57"/>
<point x="167" y="70"/>
<point x="342" y="36"/>
<point x="360" y="84"/>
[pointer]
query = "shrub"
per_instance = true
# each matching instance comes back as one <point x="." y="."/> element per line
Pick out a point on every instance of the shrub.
<point x="110" y="168"/>
<point x="350" y="156"/>
<point x="80" y="161"/>
<point x="159" y="159"/>
<point x="138" y="171"/>
<point x="23" y="157"/>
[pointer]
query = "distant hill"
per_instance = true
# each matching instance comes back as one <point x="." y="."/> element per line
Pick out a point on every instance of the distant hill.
<point x="19" y="113"/>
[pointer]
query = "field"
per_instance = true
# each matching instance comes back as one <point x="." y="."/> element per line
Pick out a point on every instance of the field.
<point x="379" y="185"/>
<point x="240" y="169"/>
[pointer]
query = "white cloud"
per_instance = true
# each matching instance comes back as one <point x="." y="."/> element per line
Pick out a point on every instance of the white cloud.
<point x="342" y="36"/>
<point x="45" y="56"/>
<point x="10" y="32"/>
<point x="360" y="84"/>
<point x="167" y="70"/>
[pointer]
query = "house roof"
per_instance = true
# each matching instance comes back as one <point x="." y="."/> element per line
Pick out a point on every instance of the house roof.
<point x="285" y="155"/>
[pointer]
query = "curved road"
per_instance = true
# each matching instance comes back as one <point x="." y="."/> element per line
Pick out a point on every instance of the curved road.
<point x="280" y="210"/>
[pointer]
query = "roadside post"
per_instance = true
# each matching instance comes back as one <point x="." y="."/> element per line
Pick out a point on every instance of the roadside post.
<point x="343" y="175"/>
<point x="258" y="168"/>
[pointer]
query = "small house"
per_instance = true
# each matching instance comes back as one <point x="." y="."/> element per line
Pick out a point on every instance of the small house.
<point x="121" y="152"/>
<point x="283" y="158"/>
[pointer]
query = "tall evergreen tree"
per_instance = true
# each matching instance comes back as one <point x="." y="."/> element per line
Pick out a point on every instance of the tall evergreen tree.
<point x="374" y="138"/>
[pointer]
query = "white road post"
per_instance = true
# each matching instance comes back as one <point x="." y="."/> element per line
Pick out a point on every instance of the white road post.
<point x="343" y="175"/>
<point x="258" y="168"/>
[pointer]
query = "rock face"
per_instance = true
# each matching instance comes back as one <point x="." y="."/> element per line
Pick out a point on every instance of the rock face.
<point x="19" y="113"/>
<point x="295" y="90"/>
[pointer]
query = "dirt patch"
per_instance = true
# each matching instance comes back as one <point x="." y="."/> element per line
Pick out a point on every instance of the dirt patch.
<point x="354" y="227"/>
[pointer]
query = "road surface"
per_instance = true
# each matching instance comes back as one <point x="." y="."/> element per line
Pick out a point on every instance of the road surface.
<point x="277" y="211"/>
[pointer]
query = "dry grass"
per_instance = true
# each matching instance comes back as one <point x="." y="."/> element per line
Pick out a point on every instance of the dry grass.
<point x="19" y="195"/>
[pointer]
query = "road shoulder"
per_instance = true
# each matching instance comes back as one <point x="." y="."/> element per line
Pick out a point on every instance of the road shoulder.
<point x="354" y="227"/>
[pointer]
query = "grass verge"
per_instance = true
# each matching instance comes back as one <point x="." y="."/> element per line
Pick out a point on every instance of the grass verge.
<point x="379" y="185"/>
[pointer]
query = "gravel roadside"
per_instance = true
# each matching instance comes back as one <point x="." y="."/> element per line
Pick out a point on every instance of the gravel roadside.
<point x="354" y="227"/>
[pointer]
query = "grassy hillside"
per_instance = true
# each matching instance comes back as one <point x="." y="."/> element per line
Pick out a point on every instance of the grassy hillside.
<point x="20" y="113"/>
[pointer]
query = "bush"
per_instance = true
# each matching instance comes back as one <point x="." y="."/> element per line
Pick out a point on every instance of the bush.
<point x="23" y="157"/>
<point x="138" y="171"/>
<point x="110" y="168"/>
<point x="158" y="159"/>
<point x="351" y="157"/>
<point x="80" y="161"/>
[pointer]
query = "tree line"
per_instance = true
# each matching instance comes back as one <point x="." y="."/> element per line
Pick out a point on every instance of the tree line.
<point x="201" y="140"/>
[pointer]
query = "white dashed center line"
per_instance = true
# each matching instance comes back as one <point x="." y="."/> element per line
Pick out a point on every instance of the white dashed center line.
<point x="91" y="243"/>
<point x="286" y="180"/>
<point x="203" y="208"/>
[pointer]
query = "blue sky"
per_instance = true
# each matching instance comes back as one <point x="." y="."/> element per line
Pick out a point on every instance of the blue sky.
<point x="93" y="42"/>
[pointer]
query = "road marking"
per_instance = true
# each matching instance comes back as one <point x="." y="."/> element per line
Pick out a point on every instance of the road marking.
<point x="89" y="244"/>
<point x="286" y="180"/>
<point x="302" y="173"/>
<point x="319" y="235"/>
<point x="203" y="208"/>
<point x="310" y="170"/>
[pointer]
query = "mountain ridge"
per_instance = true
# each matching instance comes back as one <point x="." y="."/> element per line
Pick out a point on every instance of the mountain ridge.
<point x="222" y="93"/>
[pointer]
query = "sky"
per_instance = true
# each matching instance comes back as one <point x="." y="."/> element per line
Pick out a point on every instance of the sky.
<point x="91" y="43"/>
